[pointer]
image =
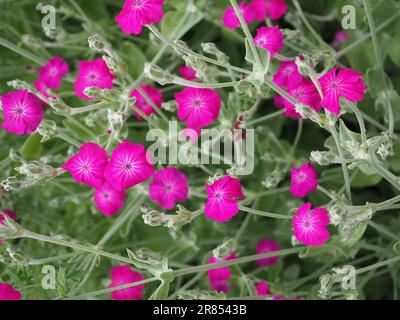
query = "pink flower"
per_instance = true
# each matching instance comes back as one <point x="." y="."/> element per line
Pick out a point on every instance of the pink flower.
<point x="340" y="36"/>
<point x="88" y="165"/>
<point x="10" y="214"/>
<point x="128" y="166"/>
<point x="222" y="202"/>
<point x="108" y="200"/>
<point x="7" y="292"/>
<point x="168" y="186"/>
<point x="138" y="13"/>
<point x="230" y="19"/>
<point x="141" y="102"/>
<point x="346" y="84"/>
<point x="305" y="93"/>
<point x="121" y="275"/>
<point x="187" y="73"/>
<point x="42" y="88"/>
<point x="310" y="227"/>
<point x="198" y="107"/>
<point x="290" y="110"/>
<point x="262" y="289"/>
<point x="304" y="180"/>
<point x="52" y="73"/>
<point x="271" y="39"/>
<point x="275" y="9"/>
<point x="288" y="75"/>
<point x="22" y="111"/>
<point x="265" y="246"/>
<point x="93" y="73"/>
<point x="218" y="277"/>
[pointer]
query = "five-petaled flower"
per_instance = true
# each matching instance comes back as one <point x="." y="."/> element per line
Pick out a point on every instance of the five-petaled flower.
<point x="138" y="13"/>
<point x="141" y="102"/>
<point x="168" y="186"/>
<point x="222" y="203"/>
<point x="88" y="165"/>
<point x="274" y="9"/>
<point x="108" y="200"/>
<point x="288" y="75"/>
<point x="269" y="38"/>
<point x="122" y="275"/>
<point x="231" y="20"/>
<point x="343" y="83"/>
<point x="219" y="277"/>
<point x="52" y="73"/>
<point x="93" y="73"/>
<point x="129" y="165"/>
<point x="262" y="289"/>
<point x="266" y="246"/>
<point x="198" y="107"/>
<point x="22" y="112"/>
<point x="310" y="226"/>
<point x="304" y="180"/>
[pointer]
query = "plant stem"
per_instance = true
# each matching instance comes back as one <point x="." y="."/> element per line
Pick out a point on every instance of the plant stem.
<point x="343" y="162"/>
<point x="266" y="117"/>
<point x="264" y="214"/>
<point x="247" y="33"/>
<point x="379" y="61"/>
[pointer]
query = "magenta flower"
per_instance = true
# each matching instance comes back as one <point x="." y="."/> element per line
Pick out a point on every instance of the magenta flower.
<point x="230" y="19"/>
<point x="310" y="226"/>
<point x="10" y="214"/>
<point x="218" y="277"/>
<point x="187" y="73"/>
<point x="222" y="202"/>
<point x="340" y="37"/>
<point x="108" y="200"/>
<point x="198" y="107"/>
<point x="265" y="246"/>
<point x="52" y="73"/>
<point x="275" y="9"/>
<point x="262" y="289"/>
<point x="345" y="83"/>
<point x="141" y="102"/>
<point x="305" y="93"/>
<point x="129" y="165"/>
<point x="304" y="180"/>
<point x="290" y="110"/>
<point x="93" y="73"/>
<point x="138" y="13"/>
<point x="88" y="165"/>
<point x="288" y="75"/>
<point x="7" y="292"/>
<point x="271" y="39"/>
<point x="168" y="186"/>
<point x="42" y="88"/>
<point x="22" y="112"/>
<point x="121" y="275"/>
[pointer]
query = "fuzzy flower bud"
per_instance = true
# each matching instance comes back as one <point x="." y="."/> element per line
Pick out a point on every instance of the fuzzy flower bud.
<point x="157" y="74"/>
<point x="47" y="129"/>
<point x="225" y="249"/>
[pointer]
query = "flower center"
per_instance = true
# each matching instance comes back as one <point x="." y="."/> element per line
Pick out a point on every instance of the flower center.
<point x="138" y="4"/>
<point x="301" y="177"/>
<point x="19" y="110"/>
<point x="168" y="187"/>
<point x="92" y="76"/>
<point x="53" y="72"/>
<point x="197" y="102"/>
